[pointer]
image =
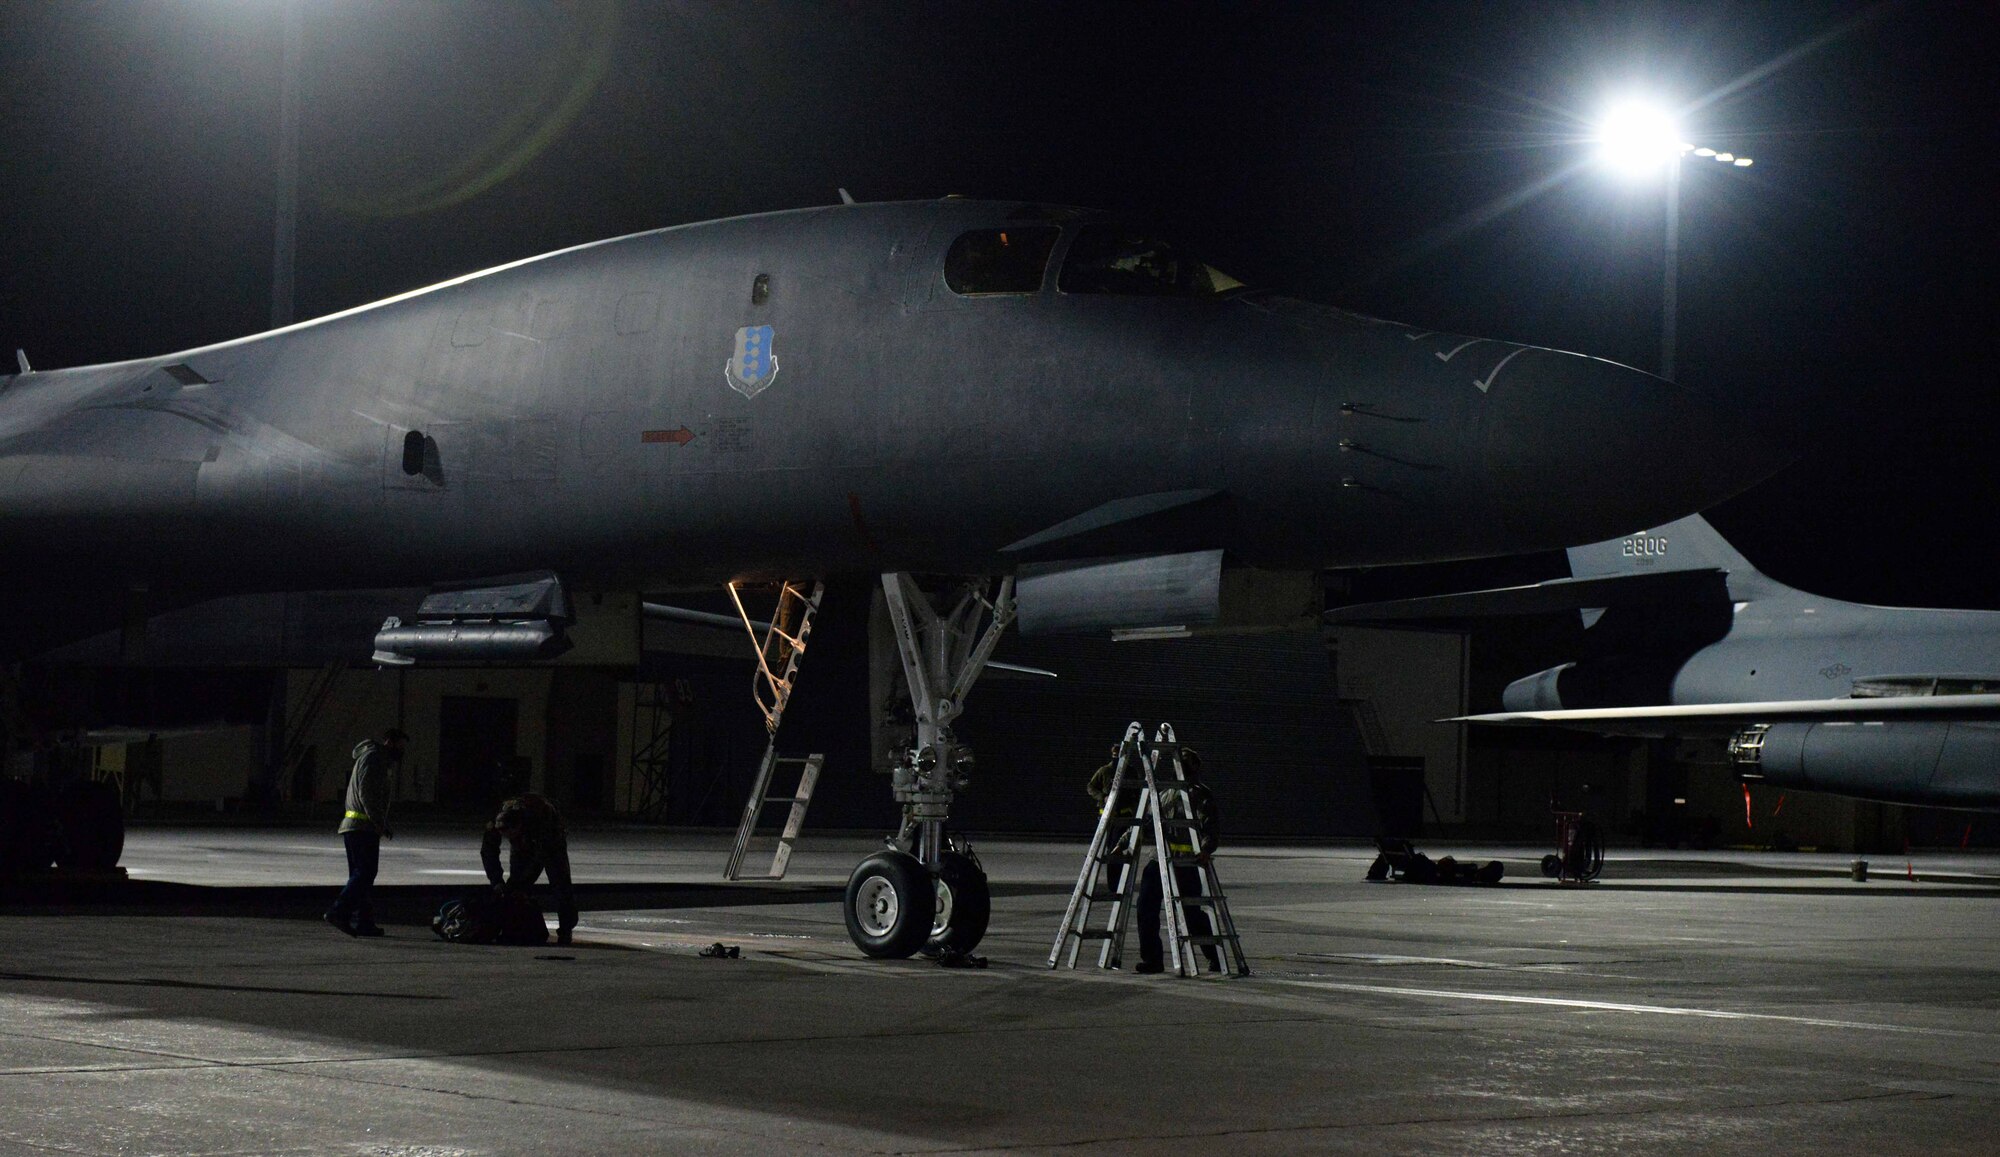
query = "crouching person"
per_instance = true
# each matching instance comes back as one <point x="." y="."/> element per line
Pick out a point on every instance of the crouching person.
<point x="536" y="843"/>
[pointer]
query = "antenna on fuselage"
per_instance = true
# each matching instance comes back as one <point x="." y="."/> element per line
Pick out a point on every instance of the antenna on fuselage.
<point x="21" y="359"/>
<point x="846" y="198"/>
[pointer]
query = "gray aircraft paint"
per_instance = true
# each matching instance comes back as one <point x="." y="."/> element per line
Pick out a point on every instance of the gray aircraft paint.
<point x="1788" y="644"/>
<point x="1783" y="666"/>
<point x="577" y="413"/>
<point x="1785" y="643"/>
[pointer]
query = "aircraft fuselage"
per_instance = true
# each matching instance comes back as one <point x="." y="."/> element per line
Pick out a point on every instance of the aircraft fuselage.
<point x="804" y="392"/>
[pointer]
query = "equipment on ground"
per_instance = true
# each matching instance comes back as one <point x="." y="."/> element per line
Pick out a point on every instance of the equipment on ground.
<point x="1399" y="861"/>
<point x="503" y="917"/>
<point x="1164" y="821"/>
<point x="1579" y="855"/>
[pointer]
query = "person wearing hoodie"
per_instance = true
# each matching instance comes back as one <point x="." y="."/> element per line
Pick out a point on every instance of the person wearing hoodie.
<point x="363" y="829"/>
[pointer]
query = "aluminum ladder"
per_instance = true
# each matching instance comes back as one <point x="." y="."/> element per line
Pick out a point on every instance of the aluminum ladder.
<point x="794" y="820"/>
<point x="1112" y="866"/>
<point x="780" y="645"/>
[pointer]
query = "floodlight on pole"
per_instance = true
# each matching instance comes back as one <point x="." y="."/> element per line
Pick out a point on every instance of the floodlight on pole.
<point x="285" y="234"/>
<point x="1638" y="138"/>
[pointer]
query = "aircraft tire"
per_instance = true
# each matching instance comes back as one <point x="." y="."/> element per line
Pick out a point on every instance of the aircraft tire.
<point x="889" y="905"/>
<point x="26" y="843"/>
<point x="964" y="906"/>
<point x="93" y="828"/>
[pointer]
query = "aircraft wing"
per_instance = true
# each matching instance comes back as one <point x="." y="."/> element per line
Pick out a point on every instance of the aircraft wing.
<point x="1728" y="717"/>
<point x="1443" y="612"/>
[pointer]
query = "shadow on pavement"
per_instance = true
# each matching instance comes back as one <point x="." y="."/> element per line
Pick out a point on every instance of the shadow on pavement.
<point x="398" y="903"/>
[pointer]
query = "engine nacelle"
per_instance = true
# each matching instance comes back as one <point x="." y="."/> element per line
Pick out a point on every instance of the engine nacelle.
<point x="1933" y="764"/>
<point x="1541" y="691"/>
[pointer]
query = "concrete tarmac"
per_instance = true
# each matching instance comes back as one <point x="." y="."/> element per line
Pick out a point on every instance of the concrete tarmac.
<point x="1690" y="1002"/>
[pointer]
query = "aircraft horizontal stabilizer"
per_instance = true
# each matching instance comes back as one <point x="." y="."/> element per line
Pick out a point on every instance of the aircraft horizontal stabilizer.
<point x="1438" y="612"/>
<point x="1722" y="718"/>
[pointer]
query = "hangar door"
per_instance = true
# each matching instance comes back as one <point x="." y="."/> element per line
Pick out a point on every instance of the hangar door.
<point x="476" y="744"/>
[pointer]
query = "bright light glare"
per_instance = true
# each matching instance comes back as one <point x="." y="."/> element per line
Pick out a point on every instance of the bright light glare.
<point x="1743" y="162"/>
<point x="1638" y="138"/>
<point x="1704" y="152"/>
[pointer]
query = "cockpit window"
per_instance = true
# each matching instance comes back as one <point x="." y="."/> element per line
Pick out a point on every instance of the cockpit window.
<point x="1000" y="260"/>
<point x="1108" y="259"/>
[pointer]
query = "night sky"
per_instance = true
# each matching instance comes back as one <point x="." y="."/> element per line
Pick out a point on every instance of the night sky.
<point x="1423" y="162"/>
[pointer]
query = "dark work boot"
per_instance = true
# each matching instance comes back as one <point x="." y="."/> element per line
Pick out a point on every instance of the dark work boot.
<point x="334" y="918"/>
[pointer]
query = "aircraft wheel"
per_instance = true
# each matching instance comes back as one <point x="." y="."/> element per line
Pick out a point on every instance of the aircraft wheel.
<point x="889" y="906"/>
<point x="964" y="906"/>
<point x="93" y="828"/>
<point x="1552" y="866"/>
<point x="26" y="843"/>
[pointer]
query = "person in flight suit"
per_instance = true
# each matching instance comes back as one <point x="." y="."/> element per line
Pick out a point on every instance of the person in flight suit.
<point x="363" y="828"/>
<point x="537" y="843"/>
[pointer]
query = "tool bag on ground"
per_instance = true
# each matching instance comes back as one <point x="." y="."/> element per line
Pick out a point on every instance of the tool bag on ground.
<point x="485" y="918"/>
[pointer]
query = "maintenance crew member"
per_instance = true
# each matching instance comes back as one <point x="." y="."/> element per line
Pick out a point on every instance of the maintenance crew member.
<point x="363" y="829"/>
<point x="1187" y="877"/>
<point x="1100" y="783"/>
<point x="536" y="843"/>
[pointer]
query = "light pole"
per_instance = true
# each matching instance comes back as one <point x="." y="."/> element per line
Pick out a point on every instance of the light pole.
<point x="285" y="234"/>
<point x="1638" y="138"/>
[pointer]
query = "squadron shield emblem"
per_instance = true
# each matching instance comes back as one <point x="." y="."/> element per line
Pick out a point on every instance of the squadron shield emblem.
<point x="755" y="363"/>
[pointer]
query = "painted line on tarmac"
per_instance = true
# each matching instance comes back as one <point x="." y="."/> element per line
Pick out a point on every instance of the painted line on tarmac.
<point x="1385" y="958"/>
<point x="1619" y="1006"/>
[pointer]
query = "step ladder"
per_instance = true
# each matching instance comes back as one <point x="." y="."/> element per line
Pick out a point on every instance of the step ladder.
<point x="1162" y="817"/>
<point x="794" y="820"/>
<point x="780" y="645"/>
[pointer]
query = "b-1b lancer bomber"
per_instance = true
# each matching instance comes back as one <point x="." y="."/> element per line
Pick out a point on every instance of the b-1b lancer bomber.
<point x="1084" y="426"/>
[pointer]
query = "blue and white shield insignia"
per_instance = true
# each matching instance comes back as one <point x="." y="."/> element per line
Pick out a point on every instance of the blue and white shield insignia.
<point x="755" y="363"/>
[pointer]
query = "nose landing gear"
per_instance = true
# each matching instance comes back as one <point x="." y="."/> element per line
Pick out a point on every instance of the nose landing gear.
<point x="927" y="890"/>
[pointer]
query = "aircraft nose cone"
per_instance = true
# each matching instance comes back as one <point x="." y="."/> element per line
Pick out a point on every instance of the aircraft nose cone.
<point x="1581" y="449"/>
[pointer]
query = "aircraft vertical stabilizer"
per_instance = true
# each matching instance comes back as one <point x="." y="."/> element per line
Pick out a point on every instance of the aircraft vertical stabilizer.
<point x="1686" y="544"/>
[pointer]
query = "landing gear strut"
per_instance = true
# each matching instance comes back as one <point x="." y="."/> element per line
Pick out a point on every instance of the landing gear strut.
<point x="927" y="890"/>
